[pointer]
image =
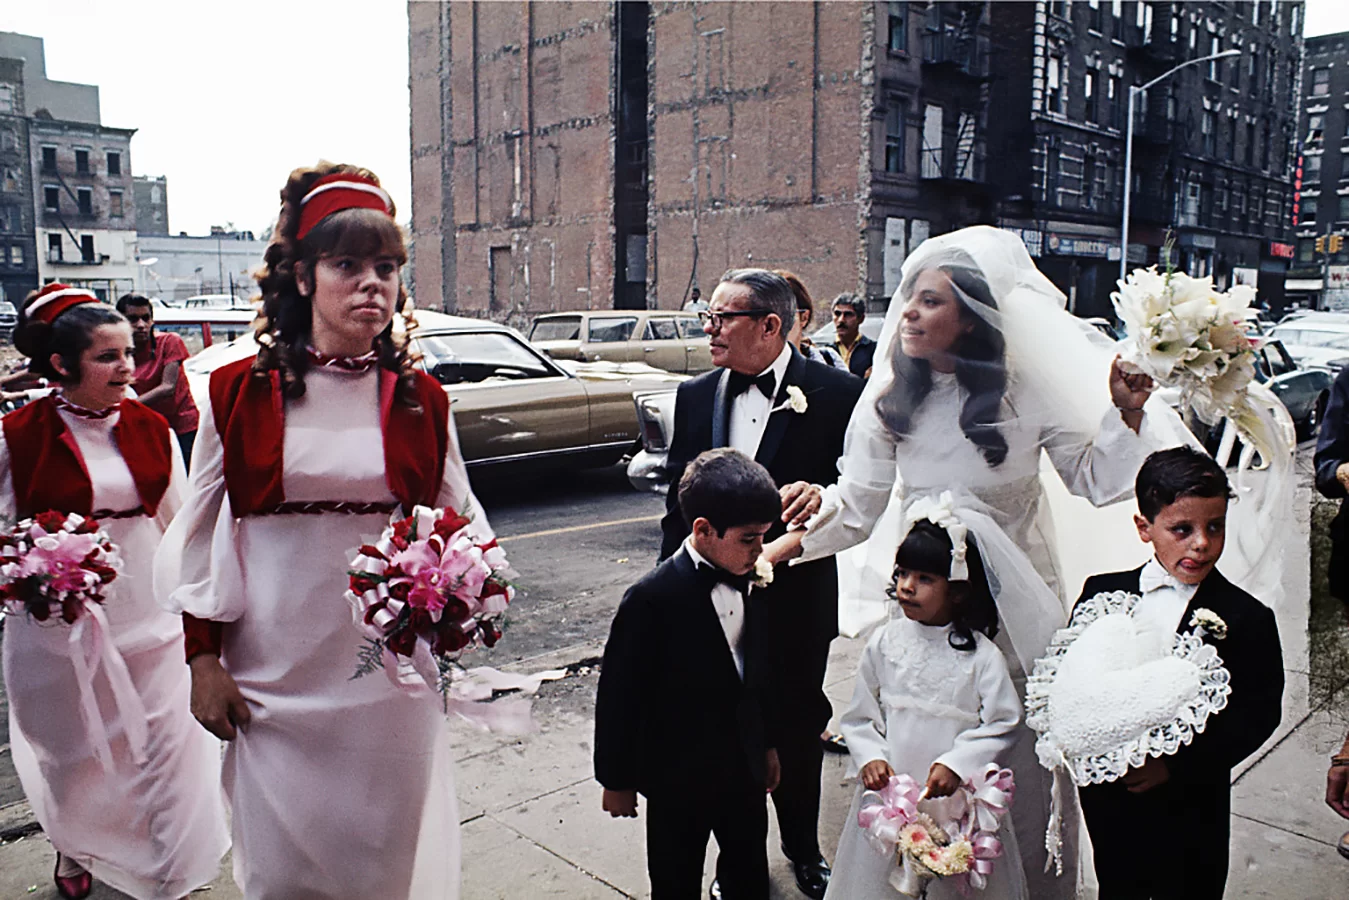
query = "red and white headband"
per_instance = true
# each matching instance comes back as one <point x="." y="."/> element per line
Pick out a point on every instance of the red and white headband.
<point x="55" y="299"/>
<point x="339" y="191"/>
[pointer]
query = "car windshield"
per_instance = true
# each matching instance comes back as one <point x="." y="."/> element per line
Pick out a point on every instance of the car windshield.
<point x="1311" y="337"/>
<point x="475" y="358"/>
<point x="564" y="329"/>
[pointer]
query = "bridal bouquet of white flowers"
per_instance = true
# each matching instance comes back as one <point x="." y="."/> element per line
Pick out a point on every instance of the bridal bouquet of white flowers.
<point x="1188" y="335"/>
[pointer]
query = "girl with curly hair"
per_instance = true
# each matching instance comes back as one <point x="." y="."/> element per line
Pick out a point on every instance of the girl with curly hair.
<point x="118" y="774"/>
<point x="338" y="787"/>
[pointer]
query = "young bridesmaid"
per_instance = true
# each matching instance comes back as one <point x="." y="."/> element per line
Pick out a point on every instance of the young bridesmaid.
<point x="933" y="700"/>
<point x="338" y="787"/>
<point x="119" y="776"/>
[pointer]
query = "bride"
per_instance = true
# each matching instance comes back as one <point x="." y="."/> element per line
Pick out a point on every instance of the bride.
<point x="978" y="371"/>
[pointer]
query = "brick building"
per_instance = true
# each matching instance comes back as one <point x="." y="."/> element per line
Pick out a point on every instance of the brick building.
<point x="18" y="243"/>
<point x="1212" y="144"/>
<point x="685" y="143"/>
<point x="1323" y="201"/>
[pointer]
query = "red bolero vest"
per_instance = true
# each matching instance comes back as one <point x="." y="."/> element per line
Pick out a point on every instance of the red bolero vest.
<point x="249" y="416"/>
<point x="40" y="442"/>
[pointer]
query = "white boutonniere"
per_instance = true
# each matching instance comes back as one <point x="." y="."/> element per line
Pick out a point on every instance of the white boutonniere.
<point x="1210" y="622"/>
<point x="796" y="401"/>
<point x="763" y="573"/>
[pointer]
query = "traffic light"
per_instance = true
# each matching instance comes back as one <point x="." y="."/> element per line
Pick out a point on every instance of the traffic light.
<point x="1336" y="241"/>
<point x="1321" y="244"/>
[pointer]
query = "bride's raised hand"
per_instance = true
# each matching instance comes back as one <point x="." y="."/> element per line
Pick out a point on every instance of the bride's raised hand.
<point x="1129" y="391"/>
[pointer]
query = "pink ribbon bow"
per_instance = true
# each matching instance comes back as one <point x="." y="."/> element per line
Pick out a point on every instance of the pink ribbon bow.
<point x="884" y="813"/>
<point x="991" y="796"/>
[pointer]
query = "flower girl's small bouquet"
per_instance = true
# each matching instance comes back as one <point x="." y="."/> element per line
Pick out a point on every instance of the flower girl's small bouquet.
<point x="945" y="837"/>
<point x="53" y="565"/>
<point x="1187" y="335"/>
<point x="424" y="591"/>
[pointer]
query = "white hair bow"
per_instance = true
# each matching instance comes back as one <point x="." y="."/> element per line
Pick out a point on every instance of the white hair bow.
<point x="940" y="511"/>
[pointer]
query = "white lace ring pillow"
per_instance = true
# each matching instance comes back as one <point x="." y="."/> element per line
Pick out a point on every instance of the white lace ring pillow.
<point x="1104" y="697"/>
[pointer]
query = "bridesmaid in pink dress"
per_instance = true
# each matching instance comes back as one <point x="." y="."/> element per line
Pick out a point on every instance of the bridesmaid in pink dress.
<point x="339" y="788"/>
<point x="119" y="776"/>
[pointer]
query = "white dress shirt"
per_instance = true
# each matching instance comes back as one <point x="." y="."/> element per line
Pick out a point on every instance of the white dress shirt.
<point x="750" y="410"/>
<point x="730" y="606"/>
<point x="1163" y="602"/>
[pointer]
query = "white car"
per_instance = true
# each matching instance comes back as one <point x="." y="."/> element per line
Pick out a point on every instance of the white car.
<point x="1318" y="340"/>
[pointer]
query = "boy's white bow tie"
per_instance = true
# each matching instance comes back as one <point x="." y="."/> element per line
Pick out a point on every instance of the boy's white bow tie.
<point x="1154" y="576"/>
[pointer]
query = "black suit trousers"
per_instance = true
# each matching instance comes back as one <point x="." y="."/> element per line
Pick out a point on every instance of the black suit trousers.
<point x="805" y="714"/>
<point x="677" y="828"/>
<point x="1194" y="822"/>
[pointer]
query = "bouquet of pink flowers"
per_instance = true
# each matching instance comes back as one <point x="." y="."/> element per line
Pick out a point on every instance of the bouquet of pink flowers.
<point x="426" y="590"/>
<point x="53" y="564"/>
<point x="940" y="837"/>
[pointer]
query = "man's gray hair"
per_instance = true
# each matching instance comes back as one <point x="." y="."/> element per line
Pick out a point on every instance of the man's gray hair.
<point x="769" y="291"/>
<point x="852" y="301"/>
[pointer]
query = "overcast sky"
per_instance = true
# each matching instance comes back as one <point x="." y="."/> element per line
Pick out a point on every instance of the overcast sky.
<point x="229" y="97"/>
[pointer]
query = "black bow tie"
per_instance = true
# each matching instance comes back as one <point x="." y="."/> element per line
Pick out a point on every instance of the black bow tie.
<point x="719" y="575"/>
<point x="739" y="383"/>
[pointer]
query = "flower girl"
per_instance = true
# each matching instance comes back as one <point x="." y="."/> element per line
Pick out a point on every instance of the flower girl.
<point x="933" y="698"/>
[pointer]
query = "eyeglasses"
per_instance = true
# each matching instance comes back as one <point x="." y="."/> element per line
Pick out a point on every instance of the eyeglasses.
<point x="718" y="319"/>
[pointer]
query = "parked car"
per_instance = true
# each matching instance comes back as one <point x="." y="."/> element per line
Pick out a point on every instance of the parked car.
<point x="512" y="404"/>
<point x="202" y="327"/>
<point x="667" y="339"/>
<point x="215" y="301"/>
<point x="871" y="327"/>
<point x="1315" y="339"/>
<point x="9" y="318"/>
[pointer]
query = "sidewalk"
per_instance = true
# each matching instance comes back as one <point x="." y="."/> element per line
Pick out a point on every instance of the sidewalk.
<point x="533" y="827"/>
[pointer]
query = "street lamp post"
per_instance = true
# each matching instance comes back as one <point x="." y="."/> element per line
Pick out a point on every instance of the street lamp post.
<point x="1134" y="91"/>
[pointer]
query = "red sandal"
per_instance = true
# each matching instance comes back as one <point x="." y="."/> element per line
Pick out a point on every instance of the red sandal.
<point x="73" y="887"/>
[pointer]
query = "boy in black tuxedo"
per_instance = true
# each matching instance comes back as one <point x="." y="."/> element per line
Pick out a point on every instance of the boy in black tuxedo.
<point x="684" y="669"/>
<point x="1184" y="800"/>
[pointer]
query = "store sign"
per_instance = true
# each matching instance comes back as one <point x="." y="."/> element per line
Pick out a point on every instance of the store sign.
<point x="1076" y="246"/>
<point x="1201" y="241"/>
<point x="1033" y="239"/>
<point x="1337" y="277"/>
<point x="1281" y="251"/>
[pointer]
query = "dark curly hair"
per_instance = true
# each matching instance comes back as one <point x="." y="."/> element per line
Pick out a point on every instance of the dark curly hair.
<point x="284" y="325"/>
<point x="68" y="337"/>
<point x="927" y="548"/>
<point x="981" y="369"/>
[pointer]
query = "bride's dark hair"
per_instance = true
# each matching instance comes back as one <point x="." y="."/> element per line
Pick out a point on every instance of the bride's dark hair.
<point x="283" y="328"/>
<point x="981" y="367"/>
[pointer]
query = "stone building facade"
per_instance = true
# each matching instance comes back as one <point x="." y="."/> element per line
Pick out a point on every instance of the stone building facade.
<point x="1323" y="195"/>
<point x="18" y="243"/>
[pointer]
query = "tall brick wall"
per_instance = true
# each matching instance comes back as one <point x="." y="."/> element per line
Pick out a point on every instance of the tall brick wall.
<point x="512" y="139"/>
<point x="755" y="142"/>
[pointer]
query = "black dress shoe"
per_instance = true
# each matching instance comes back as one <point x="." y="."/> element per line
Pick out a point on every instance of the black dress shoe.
<point x="812" y="878"/>
<point x="714" y="892"/>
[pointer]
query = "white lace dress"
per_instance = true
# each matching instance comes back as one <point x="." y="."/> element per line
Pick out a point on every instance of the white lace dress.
<point x="919" y="701"/>
<point x="154" y="829"/>
<point x="338" y="788"/>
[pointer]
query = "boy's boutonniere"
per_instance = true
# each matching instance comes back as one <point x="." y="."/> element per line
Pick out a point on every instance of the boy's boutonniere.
<point x="1210" y="622"/>
<point x="763" y="573"/>
<point x="796" y="401"/>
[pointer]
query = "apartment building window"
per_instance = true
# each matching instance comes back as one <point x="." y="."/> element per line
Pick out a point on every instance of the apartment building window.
<point x="1264" y="149"/>
<point x="1306" y="249"/>
<point x="1255" y="12"/>
<point x="1189" y="207"/>
<point x="49" y="159"/>
<point x="1094" y="18"/>
<point x="1143" y="17"/>
<point x="1234" y="70"/>
<point x="115" y="204"/>
<point x="9" y="218"/>
<point x="82" y="161"/>
<point x="85" y="198"/>
<point x="1344" y="210"/>
<point x="894" y="134"/>
<point x="1239" y="206"/>
<point x="54" y="249"/>
<point x="932" y="141"/>
<point x="1059" y="8"/>
<point x="1207" y="126"/>
<point x="1250" y="143"/>
<point x="1220" y="205"/>
<point x="1315" y="129"/>
<point x="114" y="162"/>
<point x="1052" y="168"/>
<point x="1213" y="49"/>
<point x="1311" y="168"/>
<point x="1089" y="93"/>
<point x="1293" y="19"/>
<point x="1112" y="93"/>
<point x="1320" y="82"/>
<point x="51" y="197"/>
<point x="1257" y="211"/>
<point x="1054" y="86"/>
<point x="899" y="27"/>
<point x="87" y="248"/>
<point x="1309" y="209"/>
<point x="1089" y="168"/>
<point x="1253" y="71"/>
<point x="16" y="254"/>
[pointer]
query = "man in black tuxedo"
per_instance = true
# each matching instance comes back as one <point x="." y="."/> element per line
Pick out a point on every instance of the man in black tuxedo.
<point x="1182" y="499"/>
<point x="789" y="414"/>
<point x="680" y="714"/>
